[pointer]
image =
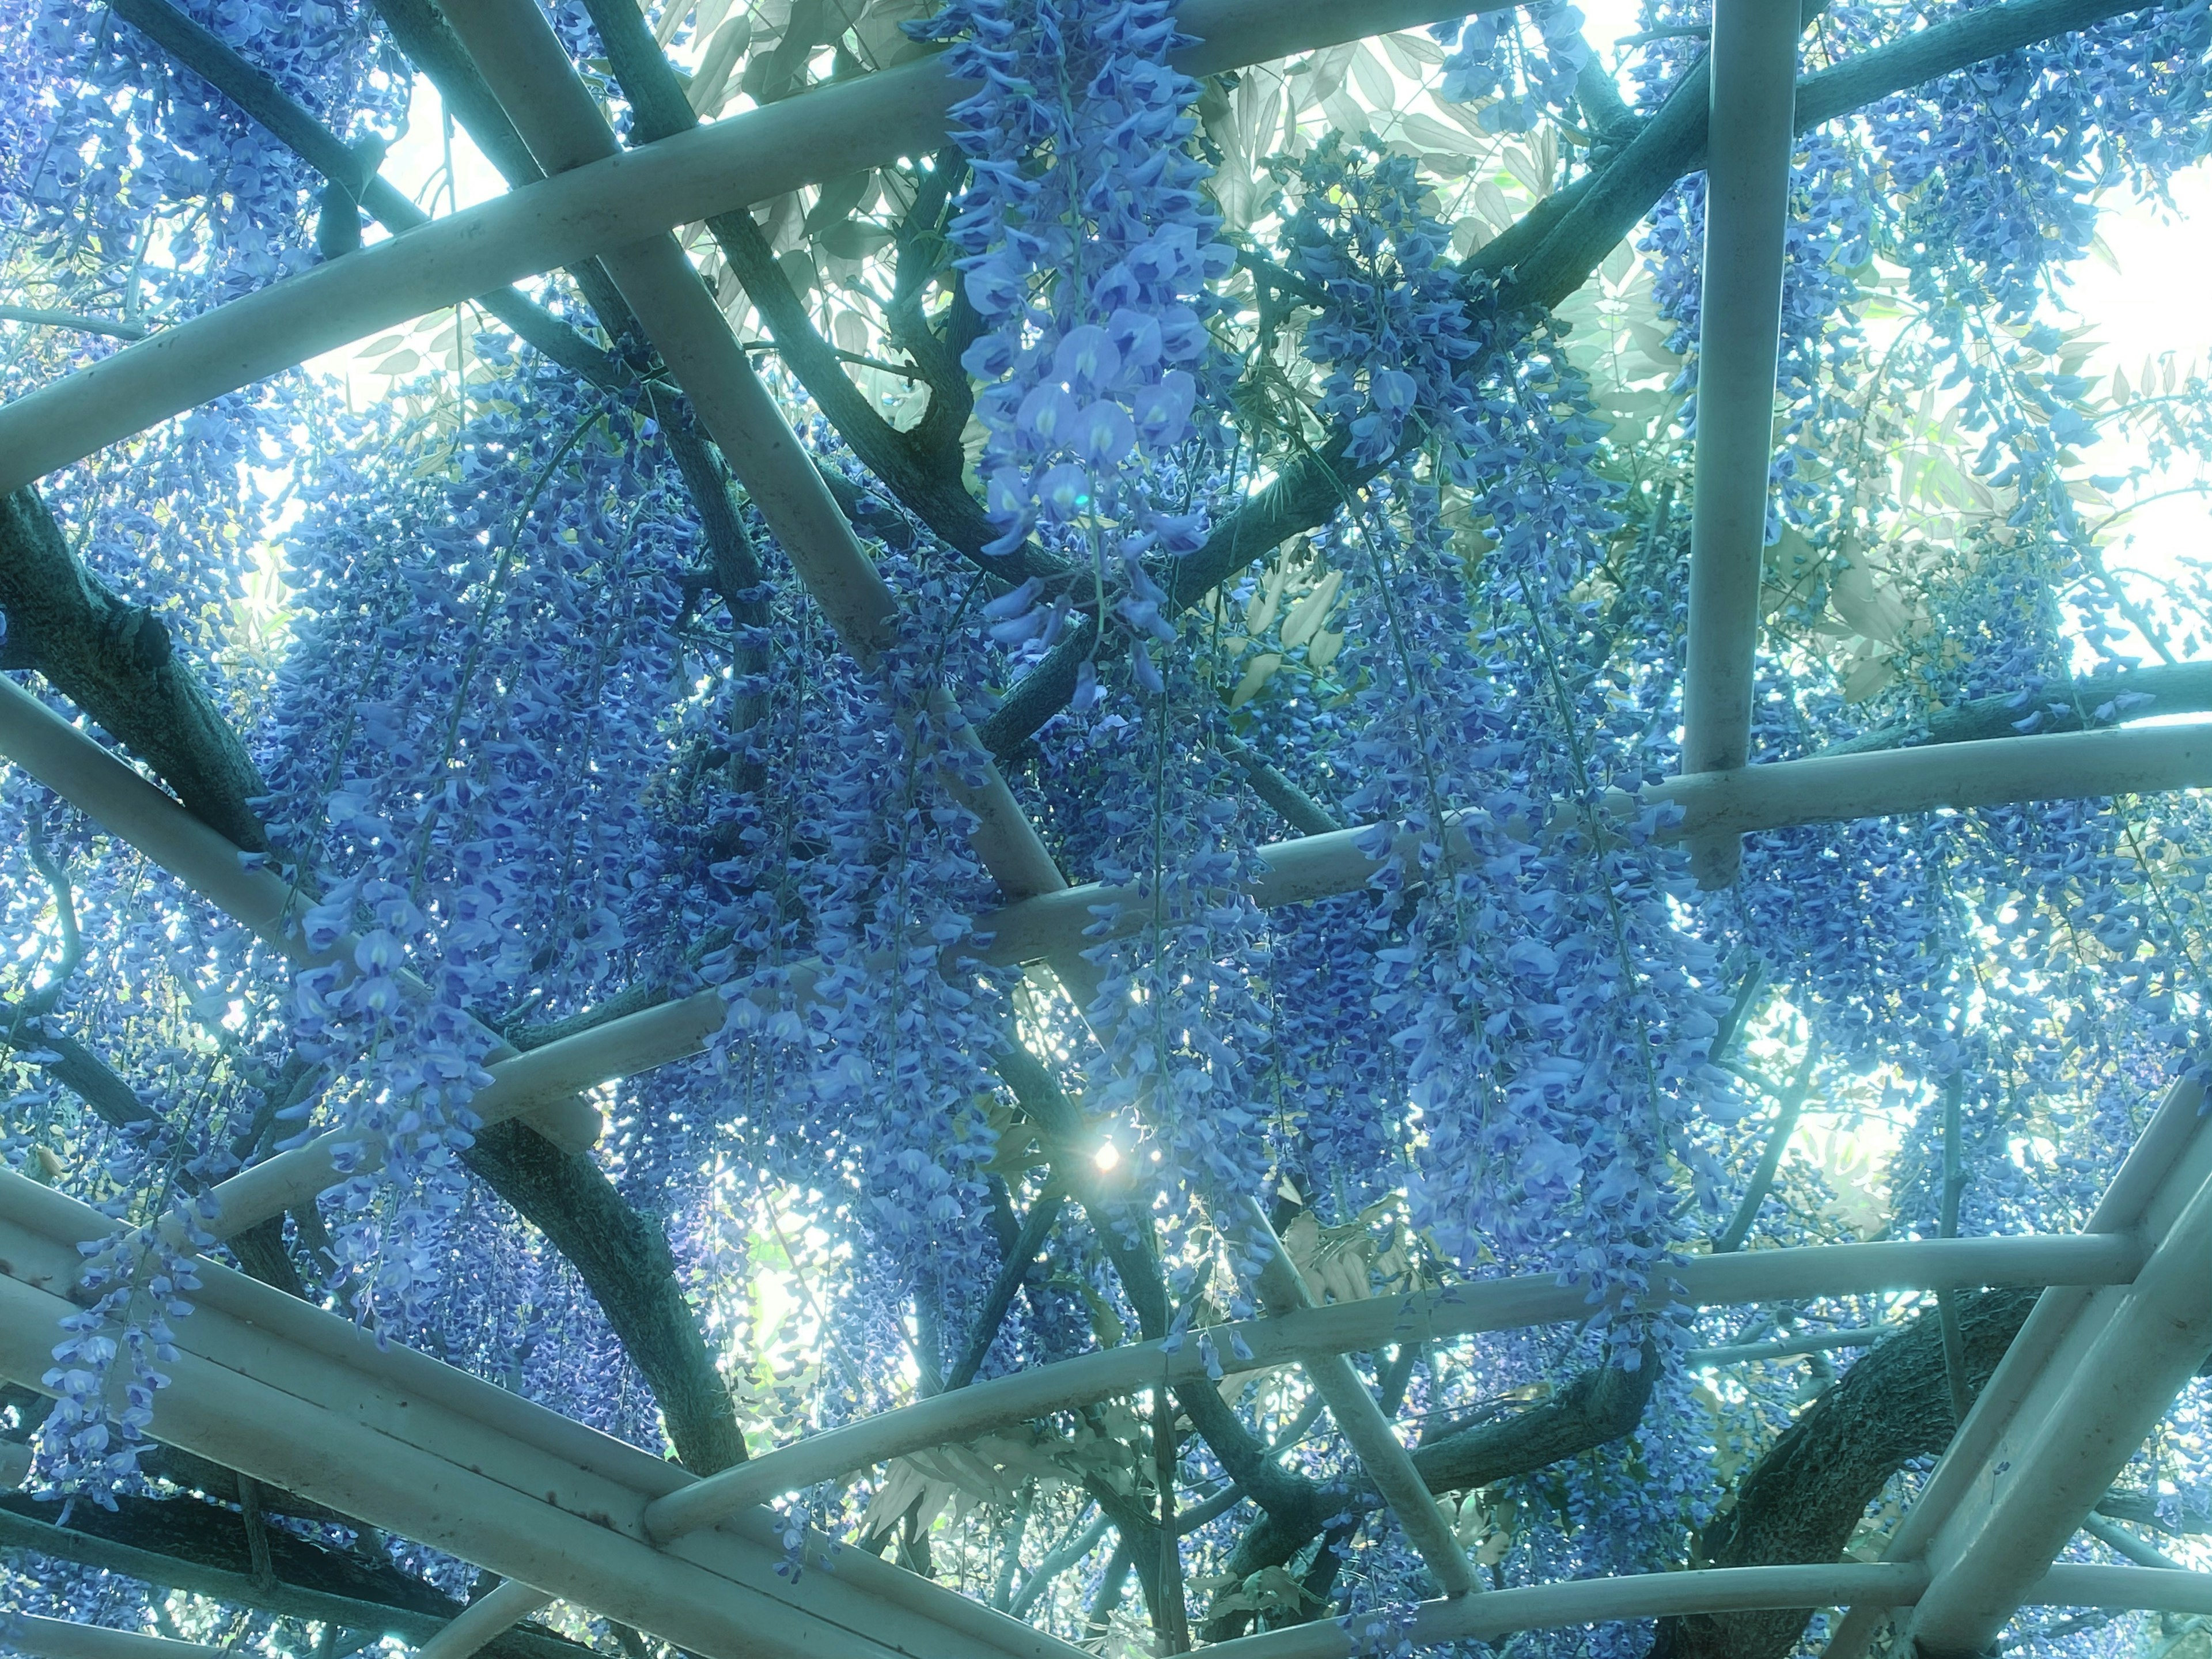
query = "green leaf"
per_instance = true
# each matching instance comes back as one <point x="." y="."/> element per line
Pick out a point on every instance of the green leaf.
<point x="838" y="199"/>
<point x="855" y="239"/>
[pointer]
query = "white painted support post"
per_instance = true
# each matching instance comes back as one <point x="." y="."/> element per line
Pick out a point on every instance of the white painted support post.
<point x="1363" y="1425"/>
<point x="1755" y="77"/>
<point x="498" y="1610"/>
<point x="1349" y="1326"/>
<point x="2086" y="1380"/>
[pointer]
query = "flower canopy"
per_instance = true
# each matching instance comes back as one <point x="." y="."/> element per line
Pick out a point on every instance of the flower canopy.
<point x="1097" y="824"/>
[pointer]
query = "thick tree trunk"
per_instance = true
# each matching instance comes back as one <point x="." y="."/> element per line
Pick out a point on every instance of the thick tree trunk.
<point x="1805" y="1497"/>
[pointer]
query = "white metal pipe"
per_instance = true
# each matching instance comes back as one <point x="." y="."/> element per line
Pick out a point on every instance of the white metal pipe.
<point x="1993" y="772"/>
<point x="1997" y="771"/>
<point x="498" y="1610"/>
<point x="716" y="168"/>
<point x="64" y="1638"/>
<point x="529" y="71"/>
<point x="274" y="1436"/>
<point x="1388" y="1465"/>
<point x="1356" y="1327"/>
<point x="1754" y="64"/>
<point x="2147" y="1589"/>
<point x="1716" y="1590"/>
<point x="1597" y="1600"/>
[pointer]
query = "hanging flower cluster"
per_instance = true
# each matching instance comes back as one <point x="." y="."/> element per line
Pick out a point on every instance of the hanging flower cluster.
<point x="1395" y="329"/>
<point x="1087" y="247"/>
<point x="1522" y="63"/>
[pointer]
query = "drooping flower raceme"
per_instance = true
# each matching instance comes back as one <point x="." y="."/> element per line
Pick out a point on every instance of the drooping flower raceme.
<point x="1086" y="244"/>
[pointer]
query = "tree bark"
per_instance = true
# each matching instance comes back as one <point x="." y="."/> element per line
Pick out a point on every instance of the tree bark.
<point x="1806" y="1494"/>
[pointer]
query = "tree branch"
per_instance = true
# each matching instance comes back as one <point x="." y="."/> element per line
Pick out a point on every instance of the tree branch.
<point x="1805" y="1496"/>
<point x="1019" y="1257"/>
<point x="624" y="1261"/>
<point x="113" y="659"/>
<point x="116" y="327"/>
<point x="1770" y="1159"/>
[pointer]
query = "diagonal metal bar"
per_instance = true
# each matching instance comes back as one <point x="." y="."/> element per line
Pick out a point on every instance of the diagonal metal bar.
<point x="1372" y="1437"/>
<point x="1753" y="70"/>
<point x="2088" y="1377"/>
<point x="505" y="1605"/>
<point x="530" y="72"/>
<point x="205" y="53"/>
<point x="527" y="67"/>
<point x="109" y="792"/>
<point x="302" y="1399"/>
<point x="1726" y="1589"/>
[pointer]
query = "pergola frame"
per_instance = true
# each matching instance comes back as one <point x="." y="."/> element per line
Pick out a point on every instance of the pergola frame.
<point x="299" y="1397"/>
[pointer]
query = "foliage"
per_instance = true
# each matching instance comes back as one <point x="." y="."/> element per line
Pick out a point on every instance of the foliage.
<point x="543" y="733"/>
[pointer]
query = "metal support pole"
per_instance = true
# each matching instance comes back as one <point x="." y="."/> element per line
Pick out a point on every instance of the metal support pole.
<point x="1386" y="1460"/>
<point x="1754" y="69"/>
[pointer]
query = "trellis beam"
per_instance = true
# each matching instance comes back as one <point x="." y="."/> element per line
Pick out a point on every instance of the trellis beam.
<point x="1995" y="772"/>
<point x="530" y="72"/>
<point x="1360" y="1420"/>
<point x="303" y="1400"/>
<point x="530" y="1085"/>
<point x="1357" y="1326"/>
<point x="1721" y="1589"/>
<point x="1753" y="79"/>
<point x="2087" y="1379"/>
<point x="1496" y="1614"/>
<point x="39" y="1638"/>
<point x="499" y="1609"/>
<point x="726" y="165"/>
<point x="134" y="811"/>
